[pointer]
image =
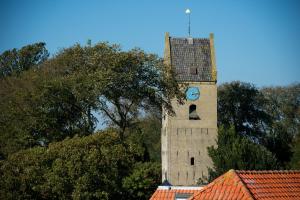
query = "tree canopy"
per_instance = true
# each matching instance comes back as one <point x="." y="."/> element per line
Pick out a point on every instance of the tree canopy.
<point x="258" y="129"/>
<point x="143" y="181"/>
<point x="234" y="151"/>
<point x="284" y="108"/>
<point x="15" y="61"/>
<point x="57" y="100"/>
<point x="242" y="105"/>
<point x="92" y="167"/>
<point x="137" y="82"/>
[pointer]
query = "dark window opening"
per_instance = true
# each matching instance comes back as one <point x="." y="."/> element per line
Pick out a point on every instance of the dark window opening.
<point x="193" y="70"/>
<point x="182" y="196"/>
<point x="193" y="113"/>
<point x="192" y="161"/>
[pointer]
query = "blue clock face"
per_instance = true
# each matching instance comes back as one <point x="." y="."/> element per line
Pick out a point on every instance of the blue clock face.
<point x="192" y="93"/>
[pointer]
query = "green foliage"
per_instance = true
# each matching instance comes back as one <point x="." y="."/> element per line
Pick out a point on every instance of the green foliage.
<point x="284" y="107"/>
<point x="150" y="130"/>
<point x="234" y="151"/>
<point x="137" y="82"/>
<point x="295" y="160"/>
<point x="242" y="105"/>
<point x="143" y="181"/>
<point x="89" y="167"/>
<point x="15" y="61"/>
<point x="57" y="99"/>
<point x="37" y="109"/>
<point x="270" y="116"/>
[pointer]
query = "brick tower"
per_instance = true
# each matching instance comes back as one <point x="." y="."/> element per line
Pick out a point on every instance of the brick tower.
<point x="186" y="135"/>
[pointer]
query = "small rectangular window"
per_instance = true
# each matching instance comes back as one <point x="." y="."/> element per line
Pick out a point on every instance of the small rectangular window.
<point x="192" y="161"/>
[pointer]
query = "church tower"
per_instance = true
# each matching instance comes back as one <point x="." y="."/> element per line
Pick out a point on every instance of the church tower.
<point x="186" y="135"/>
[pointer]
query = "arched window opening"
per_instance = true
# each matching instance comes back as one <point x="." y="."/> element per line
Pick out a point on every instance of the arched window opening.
<point x="193" y="112"/>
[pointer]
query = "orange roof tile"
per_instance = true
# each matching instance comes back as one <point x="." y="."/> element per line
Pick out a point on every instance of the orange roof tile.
<point x="265" y="185"/>
<point x="169" y="193"/>
<point x="256" y="185"/>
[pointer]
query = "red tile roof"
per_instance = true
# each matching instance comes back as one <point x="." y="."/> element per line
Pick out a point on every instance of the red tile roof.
<point x="169" y="193"/>
<point x="256" y="185"/>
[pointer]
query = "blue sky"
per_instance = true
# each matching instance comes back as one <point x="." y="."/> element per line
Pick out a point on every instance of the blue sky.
<point x="256" y="41"/>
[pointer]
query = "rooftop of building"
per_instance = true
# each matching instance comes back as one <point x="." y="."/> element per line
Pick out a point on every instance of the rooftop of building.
<point x="174" y="192"/>
<point x="242" y="185"/>
<point x="256" y="185"/>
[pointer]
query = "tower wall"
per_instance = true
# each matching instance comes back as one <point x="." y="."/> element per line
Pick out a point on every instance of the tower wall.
<point x="184" y="139"/>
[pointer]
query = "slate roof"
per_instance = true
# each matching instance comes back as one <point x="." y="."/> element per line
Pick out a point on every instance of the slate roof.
<point x="169" y="193"/>
<point x="191" y="59"/>
<point x="253" y="185"/>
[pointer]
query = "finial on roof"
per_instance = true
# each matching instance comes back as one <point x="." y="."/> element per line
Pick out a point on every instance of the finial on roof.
<point x="188" y="12"/>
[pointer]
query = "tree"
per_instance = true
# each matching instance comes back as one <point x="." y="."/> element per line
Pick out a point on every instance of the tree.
<point x="257" y="128"/>
<point x="15" y="61"/>
<point x="134" y="82"/>
<point x="143" y="180"/>
<point x="284" y="108"/>
<point x="268" y="116"/>
<point x="90" y="167"/>
<point x="47" y="104"/>
<point x="295" y="160"/>
<point x="57" y="99"/>
<point x="234" y="151"/>
<point x="242" y="105"/>
<point x="147" y="132"/>
<point x="38" y="109"/>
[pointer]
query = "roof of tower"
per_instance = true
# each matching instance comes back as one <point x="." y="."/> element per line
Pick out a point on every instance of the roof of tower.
<point x="192" y="58"/>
